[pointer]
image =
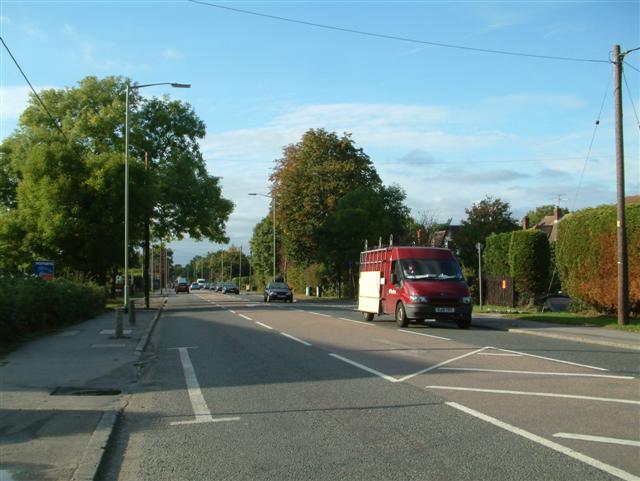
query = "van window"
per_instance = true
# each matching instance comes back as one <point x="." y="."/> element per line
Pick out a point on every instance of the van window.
<point x="438" y="269"/>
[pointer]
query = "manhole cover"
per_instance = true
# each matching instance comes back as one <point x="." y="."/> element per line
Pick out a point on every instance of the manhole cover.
<point x="84" y="391"/>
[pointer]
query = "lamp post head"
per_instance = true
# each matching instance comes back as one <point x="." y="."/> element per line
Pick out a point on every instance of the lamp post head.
<point x="181" y="86"/>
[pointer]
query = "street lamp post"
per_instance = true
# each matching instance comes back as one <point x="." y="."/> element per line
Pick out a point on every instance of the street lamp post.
<point x="126" y="178"/>
<point x="273" y="207"/>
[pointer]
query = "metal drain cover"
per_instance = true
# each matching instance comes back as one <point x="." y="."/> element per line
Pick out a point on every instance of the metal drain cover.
<point x="84" y="391"/>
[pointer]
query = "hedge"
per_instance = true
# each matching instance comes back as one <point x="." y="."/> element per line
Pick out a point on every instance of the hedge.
<point x="496" y="254"/>
<point x="586" y="256"/>
<point x="29" y="304"/>
<point x="529" y="257"/>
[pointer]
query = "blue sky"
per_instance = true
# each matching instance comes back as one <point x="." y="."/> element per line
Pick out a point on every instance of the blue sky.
<point x="448" y="125"/>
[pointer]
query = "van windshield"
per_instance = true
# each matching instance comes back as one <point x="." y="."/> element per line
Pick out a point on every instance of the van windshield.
<point x="438" y="269"/>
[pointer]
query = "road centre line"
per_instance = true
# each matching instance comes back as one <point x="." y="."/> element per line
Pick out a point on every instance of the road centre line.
<point x="365" y="368"/>
<point x="232" y="311"/>
<point x="551" y="359"/>
<point x="425" y="335"/>
<point x="245" y="317"/>
<point x="440" y="364"/>
<point x="547" y="443"/>
<point x="263" y="325"/>
<point x="598" y="439"/>
<point x="359" y="322"/>
<point x="506" y="354"/>
<point x="539" y="394"/>
<point x="295" y="339"/>
<point x="508" y="371"/>
<point x="318" y="313"/>
<point x="198" y="404"/>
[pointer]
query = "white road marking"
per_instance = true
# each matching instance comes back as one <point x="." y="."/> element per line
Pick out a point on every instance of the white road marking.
<point x="107" y="345"/>
<point x="263" y="325"/>
<point x="436" y="366"/>
<point x="542" y="373"/>
<point x="295" y="339"/>
<point x="364" y="368"/>
<point x="245" y="317"/>
<point x="359" y="322"/>
<point x="506" y="354"/>
<point x="425" y="335"/>
<point x="598" y="439"/>
<point x="112" y="332"/>
<point x="232" y="312"/>
<point x="199" y="405"/>
<point x="607" y="468"/>
<point x="539" y="394"/>
<point x="551" y="359"/>
<point x="318" y="313"/>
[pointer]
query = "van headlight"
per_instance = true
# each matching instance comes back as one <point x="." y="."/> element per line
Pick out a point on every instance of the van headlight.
<point x="466" y="300"/>
<point x="415" y="298"/>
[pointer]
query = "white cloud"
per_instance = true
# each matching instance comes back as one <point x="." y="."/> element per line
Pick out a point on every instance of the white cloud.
<point x="13" y="101"/>
<point x="172" y="54"/>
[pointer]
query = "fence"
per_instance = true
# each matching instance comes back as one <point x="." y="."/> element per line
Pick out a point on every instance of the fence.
<point x="499" y="291"/>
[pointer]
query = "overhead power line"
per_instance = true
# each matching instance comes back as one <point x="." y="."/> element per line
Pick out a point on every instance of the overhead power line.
<point x="631" y="66"/>
<point x="395" y="37"/>
<point x="53" y="120"/>
<point x="635" y="112"/>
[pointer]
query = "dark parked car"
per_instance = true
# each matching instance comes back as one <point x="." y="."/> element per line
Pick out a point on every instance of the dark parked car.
<point x="278" y="291"/>
<point x="182" y="285"/>
<point x="230" y="288"/>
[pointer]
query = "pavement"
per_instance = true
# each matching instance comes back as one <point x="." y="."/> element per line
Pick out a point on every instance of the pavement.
<point x="62" y="394"/>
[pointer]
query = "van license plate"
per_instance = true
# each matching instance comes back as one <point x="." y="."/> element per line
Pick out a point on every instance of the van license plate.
<point x="446" y="309"/>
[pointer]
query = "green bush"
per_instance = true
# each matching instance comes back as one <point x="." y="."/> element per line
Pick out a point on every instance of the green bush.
<point x="29" y="304"/>
<point x="586" y="256"/>
<point x="529" y="259"/>
<point x="496" y="254"/>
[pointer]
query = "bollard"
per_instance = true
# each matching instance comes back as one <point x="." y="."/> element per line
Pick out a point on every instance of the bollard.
<point x="119" y="333"/>
<point x="132" y="313"/>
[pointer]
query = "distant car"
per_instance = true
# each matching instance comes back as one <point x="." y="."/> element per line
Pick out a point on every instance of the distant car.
<point x="230" y="288"/>
<point x="206" y="285"/>
<point x="182" y="286"/>
<point x="201" y="282"/>
<point x="278" y="291"/>
<point x="219" y="286"/>
<point x="194" y="286"/>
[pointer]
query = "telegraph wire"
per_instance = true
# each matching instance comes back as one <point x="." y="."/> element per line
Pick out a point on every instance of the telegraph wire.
<point x="593" y="136"/>
<point x="394" y="37"/>
<point x="55" y="122"/>
<point x="631" y="66"/>
<point x="635" y="112"/>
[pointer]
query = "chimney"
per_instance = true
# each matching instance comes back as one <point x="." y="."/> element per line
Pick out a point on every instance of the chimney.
<point x="557" y="214"/>
<point x="525" y="222"/>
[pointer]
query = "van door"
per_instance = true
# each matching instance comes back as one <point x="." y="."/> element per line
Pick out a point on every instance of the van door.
<point x="392" y="287"/>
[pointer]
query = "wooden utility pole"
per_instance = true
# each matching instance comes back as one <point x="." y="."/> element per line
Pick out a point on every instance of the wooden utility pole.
<point x="623" y="271"/>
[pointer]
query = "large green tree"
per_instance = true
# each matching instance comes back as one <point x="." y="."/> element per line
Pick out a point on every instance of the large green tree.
<point x="309" y="180"/>
<point x="63" y="198"/>
<point x="489" y="216"/>
<point x="262" y="250"/>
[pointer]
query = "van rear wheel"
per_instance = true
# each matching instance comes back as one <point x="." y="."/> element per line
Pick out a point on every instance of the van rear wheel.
<point x="401" y="315"/>
<point x="368" y="316"/>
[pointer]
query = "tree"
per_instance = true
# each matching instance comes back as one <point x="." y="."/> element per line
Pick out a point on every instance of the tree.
<point x="364" y="214"/>
<point x="64" y="195"/>
<point x="539" y="213"/>
<point x="309" y="180"/>
<point x="262" y="250"/>
<point x="489" y="216"/>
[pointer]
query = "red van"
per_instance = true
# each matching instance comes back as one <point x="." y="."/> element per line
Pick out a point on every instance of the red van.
<point x="413" y="283"/>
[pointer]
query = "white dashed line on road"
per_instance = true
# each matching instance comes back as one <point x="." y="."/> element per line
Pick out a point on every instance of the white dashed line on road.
<point x="505" y="354"/>
<point x="425" y="335"/>
<point x="537" y="394"/>
<point x="364" y="368"/>
<point x="295" y="339"/>
<point x="443" y="363"/>
<point x="245" y="317"/>
<point x="551" y="359"/>
<point x="359" y="322"/>
<point x="545" y="442"/>
<point x="264" y="325"/>
<point x="541" y="373"/>
<point x="318" y="313"/>
<point x="598" y="439"/>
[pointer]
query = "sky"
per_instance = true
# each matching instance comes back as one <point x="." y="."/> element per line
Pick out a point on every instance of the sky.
<point x="448" y="125"/>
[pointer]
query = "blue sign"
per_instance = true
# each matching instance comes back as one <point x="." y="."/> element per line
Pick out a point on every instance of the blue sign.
<point x="44" y="269"/>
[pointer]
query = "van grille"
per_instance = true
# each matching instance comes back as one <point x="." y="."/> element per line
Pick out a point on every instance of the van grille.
<point x="444" y="301"/>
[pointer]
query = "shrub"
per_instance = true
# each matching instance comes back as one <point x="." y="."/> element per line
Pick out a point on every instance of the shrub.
<point x="496" y="254"/>
<point x="529" y="258"/>
<point x="29" y="304"/>
<point x="586" y="256"/>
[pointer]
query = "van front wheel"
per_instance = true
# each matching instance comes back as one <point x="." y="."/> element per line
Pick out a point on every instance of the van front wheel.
<point x="401" y="315"/>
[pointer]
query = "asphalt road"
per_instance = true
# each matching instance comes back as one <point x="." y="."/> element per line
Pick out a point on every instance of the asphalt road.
<point x="234" y="388"/>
